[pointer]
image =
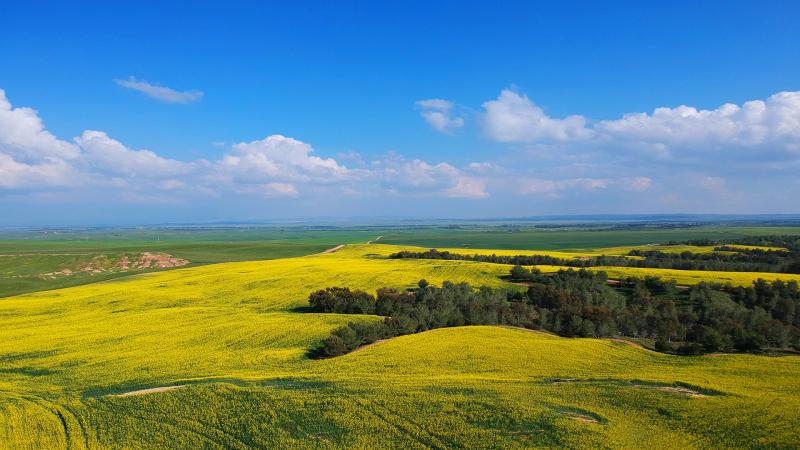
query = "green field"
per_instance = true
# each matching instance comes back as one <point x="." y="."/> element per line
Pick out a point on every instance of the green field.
<point x="234" y="337"/>
<point x="28" y="258"/>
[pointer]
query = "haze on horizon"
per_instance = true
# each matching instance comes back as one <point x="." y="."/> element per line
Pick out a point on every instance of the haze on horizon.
<point x="255" y="113"/>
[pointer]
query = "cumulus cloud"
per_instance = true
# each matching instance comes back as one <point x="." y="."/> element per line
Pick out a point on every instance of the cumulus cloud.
<point x="162" y="93"/>
<point x="24" y="138"/>
<point x="514" y="118"/>
<point x="30" y="156"/>
<point x="770" y="127"/>
<point x="32" y="159"/>
<point x="279" y="158"/>
<point x="439" y="115"/>
<point x="106" y="155"/>
<point x="775" y="121"/>
<point x="50" y="173"/>
<point x="567" y="163"/>
<point x="397" y="174"/>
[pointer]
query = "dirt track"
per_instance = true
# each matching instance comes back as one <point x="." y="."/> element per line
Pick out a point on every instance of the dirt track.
<point x="148" y="391"/>
<point x="333" y="249"/>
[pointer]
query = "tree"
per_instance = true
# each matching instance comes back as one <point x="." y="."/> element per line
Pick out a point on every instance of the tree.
<point x="520" y="273"/>
<point x="334" y="346"/>
<point x="714" y="341"/>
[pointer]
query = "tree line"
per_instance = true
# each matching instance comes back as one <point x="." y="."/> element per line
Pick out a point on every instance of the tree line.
<point x="579" y="303"/>
<point x="734" y="259"/>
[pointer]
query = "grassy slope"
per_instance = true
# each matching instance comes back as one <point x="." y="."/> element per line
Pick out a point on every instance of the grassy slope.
<point x="233" y="333"/>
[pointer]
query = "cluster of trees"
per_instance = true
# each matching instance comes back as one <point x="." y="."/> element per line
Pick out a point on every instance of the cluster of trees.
<point x="522" y="260"/>
<point x="735" y="259"/>
<point x="423" y="308"/>
<point x="789" y="242"/>
<point x="703" y="318"/>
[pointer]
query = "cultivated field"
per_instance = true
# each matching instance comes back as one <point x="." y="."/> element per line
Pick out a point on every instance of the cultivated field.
<point x="230" y="343"/>
<point x="35" y="261"/>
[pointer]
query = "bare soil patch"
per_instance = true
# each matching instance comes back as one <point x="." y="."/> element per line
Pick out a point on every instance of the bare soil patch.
<point x="582" y="418"/>
<point x="680" y="390"/>
<point x="148" y="391"/>
<point x="158" y="260"/>
<point x="103" y="264"/>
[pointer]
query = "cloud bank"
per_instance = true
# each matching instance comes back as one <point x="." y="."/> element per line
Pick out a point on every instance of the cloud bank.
<point x="771" y="125"/>
<point x="733" y="158"/>
<point x="34" y="160"/>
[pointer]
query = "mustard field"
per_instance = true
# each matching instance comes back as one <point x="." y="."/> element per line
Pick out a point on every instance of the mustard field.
<point x="231" y="340"/>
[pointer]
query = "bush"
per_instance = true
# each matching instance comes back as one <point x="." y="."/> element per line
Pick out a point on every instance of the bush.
<point x="342" y="301"/>
<point x="663" y="345"/>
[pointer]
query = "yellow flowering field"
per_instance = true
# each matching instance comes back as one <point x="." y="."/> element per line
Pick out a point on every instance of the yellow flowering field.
<point x="229" y="341"/>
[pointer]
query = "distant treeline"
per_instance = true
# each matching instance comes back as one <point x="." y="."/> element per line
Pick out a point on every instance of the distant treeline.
<point x="703" y="318"/>
<point x="734" y="260"/>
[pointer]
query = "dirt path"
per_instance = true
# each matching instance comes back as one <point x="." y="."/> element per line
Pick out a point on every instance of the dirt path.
<point x="680" y="390"/>
<point x="148" y="391"/>
<point x="374" y="240"/>
<point x="333" y="249"/>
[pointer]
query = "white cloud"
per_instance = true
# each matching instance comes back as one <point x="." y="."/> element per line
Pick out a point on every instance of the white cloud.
<point x="161" y="93"/>
<point x="280" y="190"/>
<point x="439" y="115"/>
<point x="775" y="121"/>
<point x="770" y="127"/>
<point x="536" y="186"/>
<point x="24" y="138"/>
<point x="51" y="173"/>
<point x="30" y="156"/>
<point x="637" y="184"/>
<point x="467" y="187"/>
<point x="32" y="159"/>
<point x="483" y="167"/>
<point x="514" y="118"/>
<point x="573" y="158"/>
<point x="399" y="175"/>
<point x="109" y="156"/>
<point x="554" y="187"/>
<point x="279" y="158"/>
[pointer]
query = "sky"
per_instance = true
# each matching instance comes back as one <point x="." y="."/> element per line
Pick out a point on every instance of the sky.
<point x="162" y="112"/>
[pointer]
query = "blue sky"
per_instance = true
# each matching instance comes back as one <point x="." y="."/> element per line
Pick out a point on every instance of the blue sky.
<point x="455" y="109"/>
